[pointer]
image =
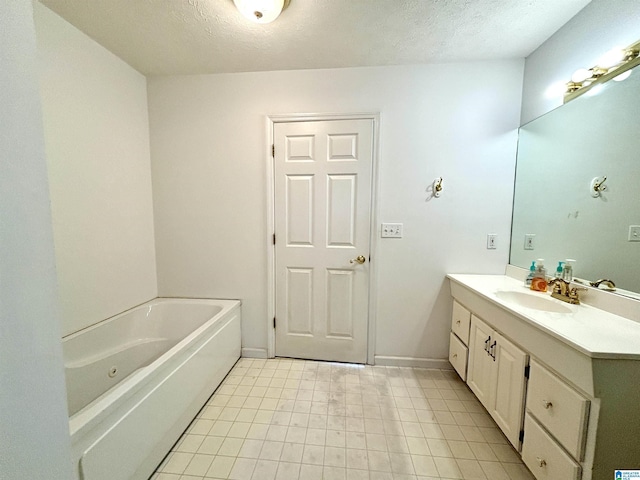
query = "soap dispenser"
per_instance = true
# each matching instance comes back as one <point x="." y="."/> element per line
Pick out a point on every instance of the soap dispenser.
<point x="532" y="271"/>
<point x="560" y="270"/>
<point x="567" y="270"/>
<point x="539" y="280"/>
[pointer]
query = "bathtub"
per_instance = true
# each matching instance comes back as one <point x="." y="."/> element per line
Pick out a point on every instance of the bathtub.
<point x="136" y="380"/>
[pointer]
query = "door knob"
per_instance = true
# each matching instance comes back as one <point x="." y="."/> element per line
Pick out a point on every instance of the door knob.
<point x="359" y="259"/>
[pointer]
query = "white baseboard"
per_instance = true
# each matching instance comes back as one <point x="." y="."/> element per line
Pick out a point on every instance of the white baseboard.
<point x="412" y="362"/>
<point x="254" y="352"/>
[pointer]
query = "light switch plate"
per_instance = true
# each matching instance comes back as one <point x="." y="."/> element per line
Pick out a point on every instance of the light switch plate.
<point x="491" y="241"/>
<point x="391" y="230"/>
<point x="634" y="233"/>
<point x="528" y="241"/>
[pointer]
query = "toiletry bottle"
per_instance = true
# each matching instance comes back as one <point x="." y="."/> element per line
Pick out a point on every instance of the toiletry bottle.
<point x="567" y="270"/>
<point x="532" y="271"/>
<point x="559" y="270"/>
<point x="539" y="281"/>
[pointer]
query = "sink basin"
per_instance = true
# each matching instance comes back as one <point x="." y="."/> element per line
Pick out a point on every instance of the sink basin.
<point x="534" y="302"/>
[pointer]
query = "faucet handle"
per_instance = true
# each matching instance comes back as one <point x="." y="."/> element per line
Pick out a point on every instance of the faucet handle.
<point x="573" y="293"/>
<point x="559" y="285"/>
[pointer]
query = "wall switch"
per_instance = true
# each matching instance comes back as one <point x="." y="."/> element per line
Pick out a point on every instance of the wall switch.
<point x="391" y="230"/>
<point x="634" y="233"/>
<point x="491" y="241"/>
<point x="528" y="241"/>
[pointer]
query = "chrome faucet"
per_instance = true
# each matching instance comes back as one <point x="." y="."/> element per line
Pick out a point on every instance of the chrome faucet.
<point x="562" y="291"/>
<point x="604" y="281"/>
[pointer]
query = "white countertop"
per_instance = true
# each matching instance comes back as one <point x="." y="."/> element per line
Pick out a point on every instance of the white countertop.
<point x="594" y="332"/>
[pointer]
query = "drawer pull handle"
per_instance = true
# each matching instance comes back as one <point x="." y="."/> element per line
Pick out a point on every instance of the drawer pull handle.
<point x="547" y="404"/>
<point x="541" y="462"/>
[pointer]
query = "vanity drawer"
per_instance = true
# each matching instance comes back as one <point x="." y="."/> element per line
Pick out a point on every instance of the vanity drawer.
<point x="458" y="356"/>
<point x="544" y="457"/>
<point x="460" y="321"/>
<point x="559" y="408"/>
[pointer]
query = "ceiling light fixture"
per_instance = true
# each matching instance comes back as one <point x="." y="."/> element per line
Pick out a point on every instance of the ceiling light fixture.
<point x="261" y="11"/>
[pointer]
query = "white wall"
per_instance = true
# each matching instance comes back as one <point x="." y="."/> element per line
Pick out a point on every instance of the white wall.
<point x="97" y="142"/>
<point x="208" y="144"/>
<point x="599" y="27"/>
<point x="34" y="429"/>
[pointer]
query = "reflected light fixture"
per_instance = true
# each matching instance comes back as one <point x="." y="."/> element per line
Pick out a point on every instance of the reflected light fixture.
<point x="612" y="58"/>
<point x="261" y="11"/>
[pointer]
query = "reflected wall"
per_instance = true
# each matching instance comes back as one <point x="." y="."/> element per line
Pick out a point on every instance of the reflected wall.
<point x="559" y="154"/>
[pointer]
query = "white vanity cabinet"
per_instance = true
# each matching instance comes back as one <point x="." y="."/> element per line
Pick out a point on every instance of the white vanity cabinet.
<point x="579" y="368"/>
<point x="496" y="375"/>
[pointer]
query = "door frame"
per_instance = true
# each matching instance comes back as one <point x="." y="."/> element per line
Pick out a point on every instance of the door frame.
<point x="271" y="120"/>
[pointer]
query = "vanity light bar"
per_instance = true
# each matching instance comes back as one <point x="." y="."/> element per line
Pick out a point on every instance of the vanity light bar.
<point x="584" y="80"/>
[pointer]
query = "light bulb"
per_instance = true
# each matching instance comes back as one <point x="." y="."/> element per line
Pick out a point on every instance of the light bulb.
<point x="612" y="58"/>
<point x="595" y="90"/>
<point x="260" y="11"/>
<point x="622" y="76"/>
<point x="581" y="75"/>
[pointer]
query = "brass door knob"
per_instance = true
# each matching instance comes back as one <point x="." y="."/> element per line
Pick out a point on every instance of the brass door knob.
<point x="359" y="259"/>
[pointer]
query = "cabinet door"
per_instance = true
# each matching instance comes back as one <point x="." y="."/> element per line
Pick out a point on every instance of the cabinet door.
<point x="507" y="387"/>
<point x="480" y="363"/>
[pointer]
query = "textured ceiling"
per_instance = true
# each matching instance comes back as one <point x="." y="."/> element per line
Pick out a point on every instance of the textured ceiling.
<point x="164" y="37"/>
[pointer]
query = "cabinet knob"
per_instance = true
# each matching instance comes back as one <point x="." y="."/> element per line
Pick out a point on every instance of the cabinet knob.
<point x="546" y="404"/>
<point x="457" y="322"/>
<point x="541" y="462"/>
<point x="455" y="355"/>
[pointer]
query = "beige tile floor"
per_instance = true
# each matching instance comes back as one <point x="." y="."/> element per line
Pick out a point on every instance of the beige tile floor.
<point x="293" y="419"/>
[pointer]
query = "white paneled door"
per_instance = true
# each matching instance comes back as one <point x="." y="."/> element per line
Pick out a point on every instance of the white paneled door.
<point x="323" y="172"/>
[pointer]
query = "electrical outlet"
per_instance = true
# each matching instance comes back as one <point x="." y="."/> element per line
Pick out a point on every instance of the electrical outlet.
<point x="391" y="230"/>
<point x="491" y="241"/>
<point x="528" y="241"/>
<point x="634" y="233"/>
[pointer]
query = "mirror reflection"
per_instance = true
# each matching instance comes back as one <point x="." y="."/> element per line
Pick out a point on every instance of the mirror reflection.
<point x="562" y="202"/>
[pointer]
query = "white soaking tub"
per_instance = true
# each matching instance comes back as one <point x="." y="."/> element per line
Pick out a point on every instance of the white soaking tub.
<point x="136" y="380"/>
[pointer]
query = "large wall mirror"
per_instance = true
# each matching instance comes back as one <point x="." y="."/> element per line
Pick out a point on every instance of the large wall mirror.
<point x="559" y="154"/>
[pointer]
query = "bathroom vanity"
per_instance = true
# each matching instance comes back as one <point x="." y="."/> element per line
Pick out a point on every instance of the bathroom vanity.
<point x="562" y="381"/>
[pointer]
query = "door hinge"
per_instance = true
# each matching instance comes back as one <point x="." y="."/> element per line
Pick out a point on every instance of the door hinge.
<point x="274" y="238"/>
<point x="273" y="150"/>
<point x="274" y="322"/>
<point x="527" y="370"/>
<point x="521" y="436"/>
